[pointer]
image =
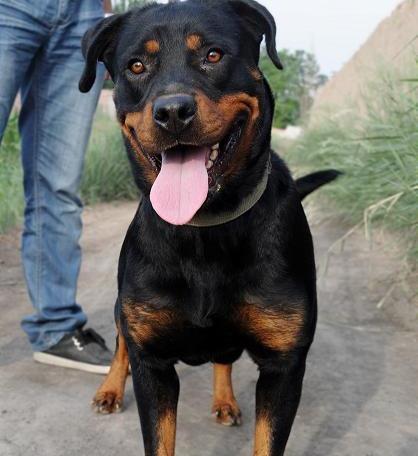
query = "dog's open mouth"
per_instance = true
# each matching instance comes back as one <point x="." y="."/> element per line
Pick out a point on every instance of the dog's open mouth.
<point x="217" y="157"/>
<point x="222" y="152"/>
<point x="186" y="172"/>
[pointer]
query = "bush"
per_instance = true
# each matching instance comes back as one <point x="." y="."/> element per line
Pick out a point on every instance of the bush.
<point x="378" y="152"/>
<point x="294" y="87"/>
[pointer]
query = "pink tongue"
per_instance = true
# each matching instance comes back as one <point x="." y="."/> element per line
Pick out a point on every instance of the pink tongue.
<point x="182" y="186"/>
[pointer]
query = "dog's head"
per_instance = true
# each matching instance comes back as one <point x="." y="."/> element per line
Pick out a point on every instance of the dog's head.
<point x="193" y="105"/>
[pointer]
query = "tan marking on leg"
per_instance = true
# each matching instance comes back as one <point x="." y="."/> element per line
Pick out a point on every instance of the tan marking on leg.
<point x="145" y="322"/>
<point x="225" y="406"/>
<point x="262" y="441"/>
<point x="194" y="42"/>
<point x="152" y="46"/>
<point x="167" y="434"/>
<point x="276" y="330"/>
<point x="109" y="396"/>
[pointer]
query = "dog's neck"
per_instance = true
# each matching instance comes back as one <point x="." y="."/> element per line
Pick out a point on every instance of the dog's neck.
<point x="206" y="219"/>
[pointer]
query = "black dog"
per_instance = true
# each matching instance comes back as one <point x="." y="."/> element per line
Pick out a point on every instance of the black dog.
<point x="219" y="256"/>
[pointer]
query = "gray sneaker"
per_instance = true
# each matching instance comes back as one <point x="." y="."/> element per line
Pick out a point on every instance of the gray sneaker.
<point x="83" y="349"/>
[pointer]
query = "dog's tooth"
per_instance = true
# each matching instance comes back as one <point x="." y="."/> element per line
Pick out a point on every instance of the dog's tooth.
<point x="214" y="154"/>
<point x="215" y="147"/>
<point x="209" y="164"/>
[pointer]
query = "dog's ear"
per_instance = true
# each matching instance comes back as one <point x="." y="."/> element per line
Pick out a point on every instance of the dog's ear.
<point x="259" y="21"/>
<point x="95" y="45"/>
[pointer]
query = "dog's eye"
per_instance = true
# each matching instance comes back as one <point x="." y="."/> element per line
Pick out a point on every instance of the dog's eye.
<point x="214" y="56"/>
<point x="137" y="67"/>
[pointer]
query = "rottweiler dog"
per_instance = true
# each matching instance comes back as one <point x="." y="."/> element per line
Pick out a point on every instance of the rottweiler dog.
<point x="219" y="256"/>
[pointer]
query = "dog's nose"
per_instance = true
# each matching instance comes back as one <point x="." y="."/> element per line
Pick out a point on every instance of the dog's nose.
<point x="174" y="113"/>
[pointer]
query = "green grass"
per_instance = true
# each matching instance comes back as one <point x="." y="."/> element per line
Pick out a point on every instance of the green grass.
<point x="378" y="152"/>
<point x="11" y="178"/>
<point x="107" y="174"/>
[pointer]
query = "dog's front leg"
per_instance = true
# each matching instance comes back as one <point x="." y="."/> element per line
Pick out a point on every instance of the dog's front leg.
<point x="156" y="391"/>
<point x="225" y="407"/>
<point x="109" y="397"/>
<point x="277" y="398"/>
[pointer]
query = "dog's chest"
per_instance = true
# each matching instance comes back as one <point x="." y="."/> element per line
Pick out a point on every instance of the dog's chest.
<point x="198" y="310"/>
<point x="171" y="333"/>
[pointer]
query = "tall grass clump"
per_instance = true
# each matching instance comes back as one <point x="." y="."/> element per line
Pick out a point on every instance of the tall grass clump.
<point x="11" y="179"/>
<point x="107" y="174"/>
<point x="378" y="151"/>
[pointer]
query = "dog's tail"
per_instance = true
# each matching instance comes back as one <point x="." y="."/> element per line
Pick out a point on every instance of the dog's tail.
<point x="308" y="184"/>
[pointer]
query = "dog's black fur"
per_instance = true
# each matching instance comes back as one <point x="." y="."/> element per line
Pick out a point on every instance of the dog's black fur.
<point x="206" y="294"/>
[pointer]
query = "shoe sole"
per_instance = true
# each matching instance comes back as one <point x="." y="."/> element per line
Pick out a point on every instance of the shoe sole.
<point x="52" y="360"/>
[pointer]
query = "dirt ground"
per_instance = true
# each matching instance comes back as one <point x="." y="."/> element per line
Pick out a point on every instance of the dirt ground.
<point x="360" y="394"/>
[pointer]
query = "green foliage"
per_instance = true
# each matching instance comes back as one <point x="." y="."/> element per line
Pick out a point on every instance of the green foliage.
<point x="294" y="87"/>
<point x="378" y="152"/>
<point x="107" y="174"/>
<point x="11" y="179"/>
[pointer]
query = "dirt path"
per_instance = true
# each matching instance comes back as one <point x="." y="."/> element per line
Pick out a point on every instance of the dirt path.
<point x="361" y="390"/>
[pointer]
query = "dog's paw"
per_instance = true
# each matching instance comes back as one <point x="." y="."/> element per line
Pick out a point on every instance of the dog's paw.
<point x="106" y="402"/>
<point x="227" y="414"/>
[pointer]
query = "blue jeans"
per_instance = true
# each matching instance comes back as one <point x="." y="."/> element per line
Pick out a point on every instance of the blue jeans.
<point x="40" y="55"/>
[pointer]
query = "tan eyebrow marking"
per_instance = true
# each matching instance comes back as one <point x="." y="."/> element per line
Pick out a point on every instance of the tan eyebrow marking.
<point x="152" y="46"/>
<point x="194" y="42"/>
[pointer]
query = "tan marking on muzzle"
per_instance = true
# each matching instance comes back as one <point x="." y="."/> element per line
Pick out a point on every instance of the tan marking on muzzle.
<point x="217" y="118"/>
<point x="212" y="123"/>
<point x="135" y="129"/>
